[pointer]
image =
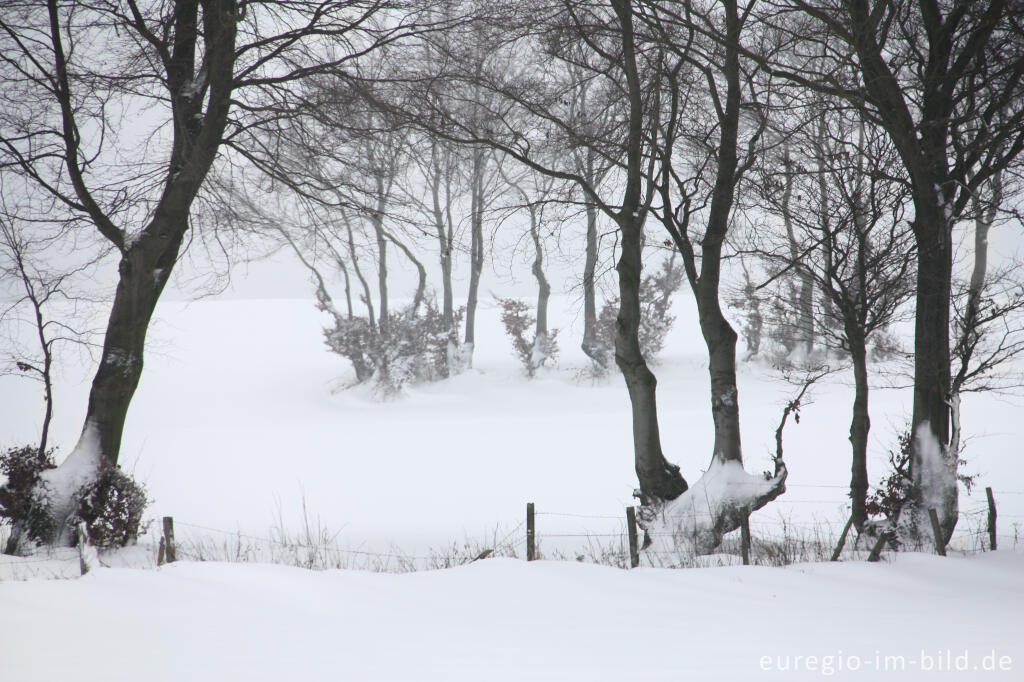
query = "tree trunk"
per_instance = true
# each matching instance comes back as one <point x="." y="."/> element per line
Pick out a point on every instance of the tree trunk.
<point x="718" y="333"/>
<point x="476" y="249"/>
<point x="859" y="428"/>
<point x="444" y="236"/>
<point x="933" y="468"/>
<point x="382" y="272"/>
<point x="367" y="297"/>
<point x="590" y="345"/>
<point x="421" y="274"/>
<point x="659" y="479"/>
<point x="540" y="352"/>
<point x="143" y="273"/>
<point x="803" y="336"/>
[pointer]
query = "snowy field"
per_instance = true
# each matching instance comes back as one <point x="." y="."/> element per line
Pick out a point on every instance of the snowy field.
<point x="239" y="425"/>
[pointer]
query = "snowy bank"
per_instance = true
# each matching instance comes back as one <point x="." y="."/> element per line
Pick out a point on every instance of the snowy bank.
<point x="510" y="620"/>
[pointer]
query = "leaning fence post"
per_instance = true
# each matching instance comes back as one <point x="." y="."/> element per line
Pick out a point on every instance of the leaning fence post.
<point x="531" y="546"/>
<point x="745" y="535"/>
<point x="842" y="540"/>
<point x="634" y="551"/>
<point x="940" y="546"/>
<point x="876" y="551"/>
<point x="991" y="519"/>
<point x="170" y="553"/>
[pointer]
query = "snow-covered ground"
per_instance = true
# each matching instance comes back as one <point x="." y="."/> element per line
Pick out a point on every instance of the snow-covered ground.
<point x="239" y="422"/>
<point x="503" y="619"/>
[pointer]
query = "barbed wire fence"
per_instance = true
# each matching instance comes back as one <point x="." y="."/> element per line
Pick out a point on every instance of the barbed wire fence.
<point x="773" y="540"/>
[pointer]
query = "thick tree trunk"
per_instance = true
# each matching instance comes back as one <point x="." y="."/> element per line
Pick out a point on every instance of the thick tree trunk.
<point x="659" y="479"/>
<point x="718" y="333"/>
<point x="143" y="273"/>
<point x="933" y="467"/>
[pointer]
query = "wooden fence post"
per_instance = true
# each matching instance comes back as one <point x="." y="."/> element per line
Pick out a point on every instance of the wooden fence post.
<point x="940" y="546"/>
<point x="991" y="519"/>
<point x="842" y="540"/>
<point x="634" y="550"/>
<point x="876" y="551"/>
<point x="170" y="554"/>
<point x="531" y="546"/>
<point x="745" y="536"/>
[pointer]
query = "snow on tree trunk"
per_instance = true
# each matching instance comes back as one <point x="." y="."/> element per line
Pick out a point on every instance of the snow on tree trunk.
<point x="713" y="506"/>
<point x="934" y="479"/>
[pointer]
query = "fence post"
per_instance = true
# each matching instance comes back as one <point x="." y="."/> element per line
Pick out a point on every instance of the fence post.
<point x="876" y="551"/>
<point x="170" y="554"/>
<point x="745" y="536"/>
<point x="991" y="519"/>
<point x="842" y="540"/>
<point x="83" y="549"/>
<point x="531" y="547"/>
<point x="940" y="546"/>
<point x="634" y="551"/>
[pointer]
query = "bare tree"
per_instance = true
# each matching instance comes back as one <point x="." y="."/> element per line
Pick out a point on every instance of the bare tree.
<point x="45" y="302"/>
<point x="206" y="70"/>
<point x="944" y="80"/>
<point x="842" y="203"/>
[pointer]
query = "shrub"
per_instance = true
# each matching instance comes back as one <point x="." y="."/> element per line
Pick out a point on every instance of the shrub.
<point x="19" y="503"/>
<point x="534" y="352"/>
<point x="656" y="292"/>
<point x="412" y="349"/>
<point x="896" y="487"/>
<point x="112" y="507"/>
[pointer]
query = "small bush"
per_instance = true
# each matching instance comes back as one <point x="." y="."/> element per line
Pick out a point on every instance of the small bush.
<point x="534" y="352"/>
<point x="413" y="349"/>
<point x="112" y="507"/>
<point x="22" y="467"/>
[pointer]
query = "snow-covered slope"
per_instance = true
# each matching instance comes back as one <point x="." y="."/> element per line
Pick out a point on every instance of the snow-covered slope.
<point x="235" y="421"/>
